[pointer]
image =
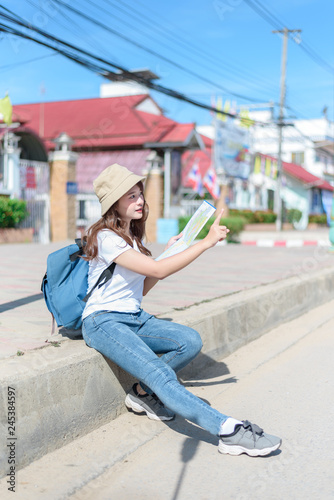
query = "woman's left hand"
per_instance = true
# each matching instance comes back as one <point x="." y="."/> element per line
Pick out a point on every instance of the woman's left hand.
<point x="173" y="240"/>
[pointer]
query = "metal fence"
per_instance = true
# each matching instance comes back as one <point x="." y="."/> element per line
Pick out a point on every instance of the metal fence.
<point x="88" y="211"/>
<point x="34" y="189"/>
<point x="189" y="207"/>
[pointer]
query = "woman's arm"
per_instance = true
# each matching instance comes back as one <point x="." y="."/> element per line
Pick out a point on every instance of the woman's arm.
<point x="149" y="283"/>
<point x="142" y="264"/>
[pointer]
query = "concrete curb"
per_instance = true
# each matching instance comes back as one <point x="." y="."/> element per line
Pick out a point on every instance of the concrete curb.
<point x="65" y="392"/>
<point x="286" y="243"/>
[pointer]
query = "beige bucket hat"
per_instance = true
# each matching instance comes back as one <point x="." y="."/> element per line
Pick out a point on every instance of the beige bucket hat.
<point x="112" y="183"/>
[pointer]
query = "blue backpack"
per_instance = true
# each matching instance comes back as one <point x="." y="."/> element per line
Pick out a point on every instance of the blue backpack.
<point x="65" y="284"/>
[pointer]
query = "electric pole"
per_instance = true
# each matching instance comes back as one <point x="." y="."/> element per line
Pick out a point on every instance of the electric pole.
<point x="280" y="124"/>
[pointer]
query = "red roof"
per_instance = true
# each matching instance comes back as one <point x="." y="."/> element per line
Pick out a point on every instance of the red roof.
<point x="112" y="122"/>
<point x="302" y="174"/>
<point x="305" y="176"/>
<point x="179" y="133"/>
<point x="208" y="143"/>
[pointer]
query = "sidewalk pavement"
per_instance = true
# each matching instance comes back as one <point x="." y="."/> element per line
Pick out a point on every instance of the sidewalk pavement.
<point x="25" y="322"/>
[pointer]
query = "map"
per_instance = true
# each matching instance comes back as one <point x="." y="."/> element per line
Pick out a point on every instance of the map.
<point x="189" y="233"/>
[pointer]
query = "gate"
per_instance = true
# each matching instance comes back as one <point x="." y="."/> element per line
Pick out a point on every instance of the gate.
<point x="88" y="210"/>
<point x="34" y="189"/>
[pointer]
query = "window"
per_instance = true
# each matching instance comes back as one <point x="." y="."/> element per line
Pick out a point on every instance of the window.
<point x="82" y="207"/>
<point x="298" y="158"/>
<point x="316" y="201"/>
<point x="271" y="199"/>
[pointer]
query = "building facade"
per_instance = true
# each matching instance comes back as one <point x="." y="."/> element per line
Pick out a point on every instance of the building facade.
<point x="307" y="166"/>
<point x="124" y="125"/>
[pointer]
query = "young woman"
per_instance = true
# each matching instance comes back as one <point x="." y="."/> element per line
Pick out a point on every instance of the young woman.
<point x="115" y="325"/>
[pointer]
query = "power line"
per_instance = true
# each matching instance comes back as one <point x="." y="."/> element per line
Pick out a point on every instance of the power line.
<point x="268" y="16"/>
<point x="316" y="58"/>
<point x="74" y="57"/>
<point x="152" y="52"/>
<point x="179" y="38"/>
<point x="22" y="63"/>
<point x="95" y="67"/>
<point x="144" y="19"/>
<point x="264" y="13"/>
<point x="304" y="45"/>
<point x="91" y="43"/>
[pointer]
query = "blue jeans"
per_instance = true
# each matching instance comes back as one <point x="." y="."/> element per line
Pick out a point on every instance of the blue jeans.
<point x="133" y="340"/>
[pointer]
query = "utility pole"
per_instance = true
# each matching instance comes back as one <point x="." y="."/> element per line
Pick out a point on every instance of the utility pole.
<point x="280" y="124"/>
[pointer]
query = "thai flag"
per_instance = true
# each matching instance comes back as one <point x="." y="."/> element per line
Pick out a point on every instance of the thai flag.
<point x="211" y="183"/>
<point x="194" y="179"/>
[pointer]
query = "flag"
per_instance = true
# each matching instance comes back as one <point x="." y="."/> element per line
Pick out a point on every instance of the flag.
<point x="6" y="110"/>
<point x="227" y="107"/>
<point x="211" y="183"/>
<point x="268" y="167"/>
<point x="257" y="165"/>
<point x="219" y="106"/>
<point x="194" y="179"/>
<point x="274" y="169"/>
<point x="245" y="120"/>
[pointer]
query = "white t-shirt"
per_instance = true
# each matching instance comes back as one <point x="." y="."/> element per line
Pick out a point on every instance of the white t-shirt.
<point x="124" y="292"/>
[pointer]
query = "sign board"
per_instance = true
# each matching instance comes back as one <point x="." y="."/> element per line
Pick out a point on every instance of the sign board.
<point x="231" y="149"/>
<point x="72" y="188"/>
<point x="30" y="178"/>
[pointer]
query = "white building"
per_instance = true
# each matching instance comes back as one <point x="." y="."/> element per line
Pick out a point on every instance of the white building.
<point x="308" y="148"/>
<point x="309" y="143"/>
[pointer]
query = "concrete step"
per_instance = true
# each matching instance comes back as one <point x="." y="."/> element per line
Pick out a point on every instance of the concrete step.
<point x="271" y="381"/>
<point x="68" y="391"/>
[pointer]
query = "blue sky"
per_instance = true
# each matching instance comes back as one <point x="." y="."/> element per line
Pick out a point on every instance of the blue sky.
<point x="225" y="41"/>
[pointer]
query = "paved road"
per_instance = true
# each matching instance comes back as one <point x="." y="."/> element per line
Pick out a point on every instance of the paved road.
<point x="283" y="381"/>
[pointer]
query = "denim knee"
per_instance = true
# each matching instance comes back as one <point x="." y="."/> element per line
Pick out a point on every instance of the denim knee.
<point x="195" y="344"/>
<point x="158" y="374"/>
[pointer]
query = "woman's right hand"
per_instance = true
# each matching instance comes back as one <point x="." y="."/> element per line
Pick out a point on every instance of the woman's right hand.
<point x="173" y="240"/>
<point x="216" y="232"/>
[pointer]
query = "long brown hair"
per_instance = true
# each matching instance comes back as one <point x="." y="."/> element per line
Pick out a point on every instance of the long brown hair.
<point x="111" y="220"/>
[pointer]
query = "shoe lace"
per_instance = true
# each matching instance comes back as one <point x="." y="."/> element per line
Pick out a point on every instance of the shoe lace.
<point x="255" y="429"/>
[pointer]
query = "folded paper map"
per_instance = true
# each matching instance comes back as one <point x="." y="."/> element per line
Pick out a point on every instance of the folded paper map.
<point x="189" y="233"/>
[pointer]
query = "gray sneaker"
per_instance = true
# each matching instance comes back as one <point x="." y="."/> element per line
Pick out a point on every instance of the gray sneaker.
<point x="150" y="404"/>
<point x="248" y="438"/>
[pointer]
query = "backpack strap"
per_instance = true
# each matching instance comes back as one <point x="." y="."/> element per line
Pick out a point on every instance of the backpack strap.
<point x="105" y="276"/>
<point x="79" y="252"/>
